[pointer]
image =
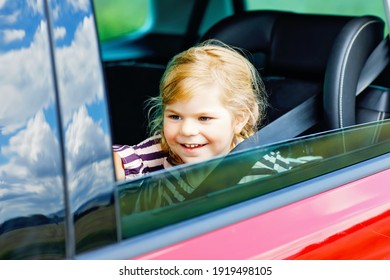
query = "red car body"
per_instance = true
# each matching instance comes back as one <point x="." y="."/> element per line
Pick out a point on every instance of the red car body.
<point x="348" y="222"/>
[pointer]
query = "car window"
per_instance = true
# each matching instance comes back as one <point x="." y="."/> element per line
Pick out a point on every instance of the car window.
<point x="332" y="7"/>
<point x="151" y="30"/>
<point x="167" y="197"/>
<point x="122" y="18"/>
<point x="131" y="19"/>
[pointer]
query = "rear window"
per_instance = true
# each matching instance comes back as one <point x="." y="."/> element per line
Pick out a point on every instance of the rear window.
<point x="122" y="18"/>
<point x="333" y="7"/>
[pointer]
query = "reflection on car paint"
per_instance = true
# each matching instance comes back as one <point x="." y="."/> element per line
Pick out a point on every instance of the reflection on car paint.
<point x="46" y="64"/>
<point x="31" y="194"/>
<point x="84" y="122"/>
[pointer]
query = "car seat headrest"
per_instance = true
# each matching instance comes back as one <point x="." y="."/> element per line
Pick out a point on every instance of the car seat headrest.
<point x="292" y="44"/>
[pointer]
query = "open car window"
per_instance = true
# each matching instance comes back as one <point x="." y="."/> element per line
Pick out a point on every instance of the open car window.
<point x="167" y="197"/>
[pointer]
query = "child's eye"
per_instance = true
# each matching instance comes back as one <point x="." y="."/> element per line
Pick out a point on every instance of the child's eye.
<point x="174" y="117"/>
<point x="203" y="119"/>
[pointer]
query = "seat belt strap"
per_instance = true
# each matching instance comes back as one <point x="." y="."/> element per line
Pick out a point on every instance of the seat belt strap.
<point x="289" y="125"/>
<point x="375" y="64"/>
<point x="293" y="123"/>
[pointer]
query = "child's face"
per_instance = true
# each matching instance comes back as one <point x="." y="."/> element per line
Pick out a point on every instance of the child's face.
<point x="201" y="127"/>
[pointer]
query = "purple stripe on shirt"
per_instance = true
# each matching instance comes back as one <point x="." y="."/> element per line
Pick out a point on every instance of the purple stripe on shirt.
<point x="130" y="158"/>
<point x="156" y="168"/>
<point x="152" y="156"/>
<point x="136" y="170"/>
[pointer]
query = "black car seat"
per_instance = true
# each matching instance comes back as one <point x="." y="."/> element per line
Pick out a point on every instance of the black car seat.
<point x="292" y="51"/>
<point x="346" y="101"/>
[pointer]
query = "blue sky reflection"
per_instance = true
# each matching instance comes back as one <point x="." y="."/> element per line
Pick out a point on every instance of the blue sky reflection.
<point x="30" y="160"/>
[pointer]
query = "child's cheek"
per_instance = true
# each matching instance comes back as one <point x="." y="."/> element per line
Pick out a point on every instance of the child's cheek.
<point x="168" y="132"/>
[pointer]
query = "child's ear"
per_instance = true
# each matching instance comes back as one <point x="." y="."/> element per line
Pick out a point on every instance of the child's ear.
<point x="240" y="121"/>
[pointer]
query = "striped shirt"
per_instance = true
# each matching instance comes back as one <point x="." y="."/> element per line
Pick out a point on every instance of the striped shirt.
<point x="178" y="185"/>
<point x="143" y="158"/>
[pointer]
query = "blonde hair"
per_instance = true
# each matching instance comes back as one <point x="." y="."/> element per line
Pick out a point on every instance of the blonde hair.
<point x="211" y="62"/>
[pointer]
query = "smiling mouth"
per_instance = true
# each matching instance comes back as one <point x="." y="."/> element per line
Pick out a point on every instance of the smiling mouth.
<point x="192" y="146"/>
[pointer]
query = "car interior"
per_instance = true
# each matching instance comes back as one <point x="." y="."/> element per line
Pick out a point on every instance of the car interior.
<point x="299" y="57"/>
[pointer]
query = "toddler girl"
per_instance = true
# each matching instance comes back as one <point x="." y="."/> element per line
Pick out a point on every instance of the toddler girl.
<point x="211" y="98"/>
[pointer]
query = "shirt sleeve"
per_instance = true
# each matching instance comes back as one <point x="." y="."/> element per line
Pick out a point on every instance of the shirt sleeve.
<point x="131" y="160"/>
<point x="142" y="158"/>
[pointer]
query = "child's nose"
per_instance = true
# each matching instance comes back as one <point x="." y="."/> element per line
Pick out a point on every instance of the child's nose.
<point x="189" y="128"/>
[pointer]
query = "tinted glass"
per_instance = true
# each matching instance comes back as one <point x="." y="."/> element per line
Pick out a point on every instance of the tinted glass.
<point x="31" y="173"/>
<point x="335" y="7"/>
<point x="176" y="194"/>
<point x="122" y="17"/>
<point x="85" y="126"/>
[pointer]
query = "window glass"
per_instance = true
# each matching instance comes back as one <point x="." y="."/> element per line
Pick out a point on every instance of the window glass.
<point x="176" y="194"/>
<point x="117" y="18"/>
<point x="346" y="7"/>
<point x="336" y="7"/>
